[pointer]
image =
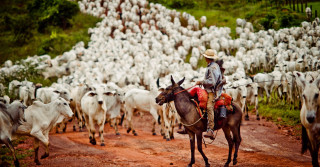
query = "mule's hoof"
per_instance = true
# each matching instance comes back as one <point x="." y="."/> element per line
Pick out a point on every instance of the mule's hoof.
<point x="135" y="134"/>
<point x="45" y="155"/>
<point x="154" y="133"/>
<point x="168" y="139"/>
<point x="207" y="165"/>
<point x="189" y="165"/>
<point x="226" y="164"/>
<point x="37" y="162"/>
<point x="235" y="162"/>
<point x="117" y="133"/>
<point x="102" y="144"/>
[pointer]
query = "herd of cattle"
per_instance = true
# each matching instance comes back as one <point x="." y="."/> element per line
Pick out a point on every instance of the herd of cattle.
<point x="132" y="53"/>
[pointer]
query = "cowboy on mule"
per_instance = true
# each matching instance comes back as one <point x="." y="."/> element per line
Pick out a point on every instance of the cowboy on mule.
<point x="212" y="83"/>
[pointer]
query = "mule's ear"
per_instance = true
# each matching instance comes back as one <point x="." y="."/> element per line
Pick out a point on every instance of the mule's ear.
<point x="181" y="81"/>
<point x="172" y="81"/>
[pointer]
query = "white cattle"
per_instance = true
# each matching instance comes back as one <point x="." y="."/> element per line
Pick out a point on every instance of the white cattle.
<point x="40" y="119"/>
<point x="113" y="101"/>
<point x="264" y="82"/>
<point x="94" y="111"/>
<point x="168" y="120"/>
<point x="309" y="116"/>
<point x="238" y="91"/>
<point x="141" y="100"/>
<point x="77" y="95"/>
<point x="252" y="99"/>
<point x="11" y="116"/>
<point x="26" y="94"/>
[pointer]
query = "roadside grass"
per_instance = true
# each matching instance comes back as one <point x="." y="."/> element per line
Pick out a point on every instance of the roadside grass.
<point x="6" y="158"/>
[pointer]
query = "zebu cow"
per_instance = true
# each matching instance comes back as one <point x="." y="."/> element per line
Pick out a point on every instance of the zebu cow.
<point x="252" y="99"/>
<point x="5" y="99"/>
<point x="141" y="100"/>
<point x="168" y="120"/>
<point x="26" y="94"/>
<point x="113" y="101"/>
<point x="264" y="82"/>
<point x="94" y="111"/>
<point x="77" y="94"/>
<point x="11" y="116"/>
<point x="40" y="119"/>
<point x="310" y="119"/>
<point x="238" y="91"/>
<point x="48" y="94"/>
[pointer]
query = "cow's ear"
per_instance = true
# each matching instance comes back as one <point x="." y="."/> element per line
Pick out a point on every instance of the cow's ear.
<point x="248" y="85"/>
<point x="181" y="81"/>
<point x="172" y="81"/>
<point x="161" y="89"/>
<point x="56" y="91"/>
<point x="92" y="94"/>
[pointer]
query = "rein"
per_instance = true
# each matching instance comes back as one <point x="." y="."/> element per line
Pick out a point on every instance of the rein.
<point x="170" y="108"/>
<point x="184" y="90"/>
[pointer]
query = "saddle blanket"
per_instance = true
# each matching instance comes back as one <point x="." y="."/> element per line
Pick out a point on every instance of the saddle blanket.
<point x="202" y="96"/>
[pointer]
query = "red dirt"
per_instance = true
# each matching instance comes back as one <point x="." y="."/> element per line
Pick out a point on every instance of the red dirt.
<point x="263" y="144"/>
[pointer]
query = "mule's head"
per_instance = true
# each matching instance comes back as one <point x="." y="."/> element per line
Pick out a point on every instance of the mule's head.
<point x="311" y="101"/>
<point x="167" y="94"/>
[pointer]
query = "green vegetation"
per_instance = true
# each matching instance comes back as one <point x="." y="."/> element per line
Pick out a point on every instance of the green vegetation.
<point x="37" y="27"/>
<point x="6" y="157"/>
<point x="264" y="14"/>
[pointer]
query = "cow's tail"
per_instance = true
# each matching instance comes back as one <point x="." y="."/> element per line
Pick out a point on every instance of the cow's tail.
<point x="305" y="140"/>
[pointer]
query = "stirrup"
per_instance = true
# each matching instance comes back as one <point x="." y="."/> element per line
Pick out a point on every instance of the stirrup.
<point x="210" y="137"/>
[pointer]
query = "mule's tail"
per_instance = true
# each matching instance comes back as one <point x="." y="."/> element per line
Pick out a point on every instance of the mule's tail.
<point x="305" y="140"/>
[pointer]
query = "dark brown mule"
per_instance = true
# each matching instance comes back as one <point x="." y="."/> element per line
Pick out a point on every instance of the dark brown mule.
<point x="195" y="125"/>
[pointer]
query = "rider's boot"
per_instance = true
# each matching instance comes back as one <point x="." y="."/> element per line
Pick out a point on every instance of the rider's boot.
<point x="209" y="134"/>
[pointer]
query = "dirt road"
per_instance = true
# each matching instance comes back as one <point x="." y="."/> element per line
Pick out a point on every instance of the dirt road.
<point x="263" y="144"/>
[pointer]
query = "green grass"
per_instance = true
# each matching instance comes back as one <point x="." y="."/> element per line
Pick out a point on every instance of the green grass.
<point x="6" y="158"/>
<point x="224" y="13"/>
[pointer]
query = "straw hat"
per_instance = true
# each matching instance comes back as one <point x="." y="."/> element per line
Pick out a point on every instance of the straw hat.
<point x="209" y="53"/>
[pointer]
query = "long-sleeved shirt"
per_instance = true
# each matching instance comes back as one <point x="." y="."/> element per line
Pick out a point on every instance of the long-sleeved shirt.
<point x="212" y="78"/>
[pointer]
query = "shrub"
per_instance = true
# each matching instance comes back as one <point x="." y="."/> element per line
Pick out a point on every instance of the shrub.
<point x="286" y="20"/>
<point x="21" y="26"/>
<point x="178" y="4"/>
<point x="53" y="12"/>
<point x="268" y="21"/>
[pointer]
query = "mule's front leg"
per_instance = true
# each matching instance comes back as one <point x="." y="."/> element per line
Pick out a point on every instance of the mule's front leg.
<point x="192" y="146"/>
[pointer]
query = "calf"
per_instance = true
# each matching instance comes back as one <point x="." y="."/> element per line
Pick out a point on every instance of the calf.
<point x="26" y="94"/>
<point x="40" y="119"/>
<point x="11" y="116"/>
